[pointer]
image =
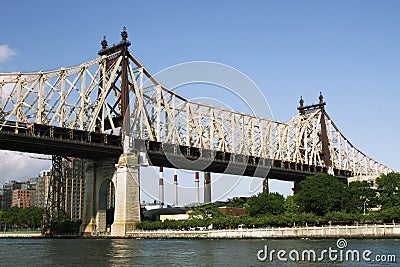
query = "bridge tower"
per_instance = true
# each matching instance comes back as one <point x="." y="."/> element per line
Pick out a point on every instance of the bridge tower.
<point x="122" y="174"/>
<point x="323" y="136"/>
<point x="303" y="110"/>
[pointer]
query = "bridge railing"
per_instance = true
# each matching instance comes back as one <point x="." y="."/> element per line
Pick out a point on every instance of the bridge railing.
<point x="76" y="97"/>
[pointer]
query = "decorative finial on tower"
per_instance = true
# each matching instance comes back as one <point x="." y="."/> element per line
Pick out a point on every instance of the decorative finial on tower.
<point x="104" y="43"/>
<point x="124" y="34"/>
<point x="301" y="107"/>
<point x="321" y="98"/>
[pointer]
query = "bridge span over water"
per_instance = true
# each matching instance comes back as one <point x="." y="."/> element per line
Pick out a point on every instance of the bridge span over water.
<point x="114" y="113"/>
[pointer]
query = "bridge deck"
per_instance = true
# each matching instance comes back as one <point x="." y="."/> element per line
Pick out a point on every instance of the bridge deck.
<point x="192" y="158"/>
<point x="43" y="139"/>
<point x="51" y="140"/>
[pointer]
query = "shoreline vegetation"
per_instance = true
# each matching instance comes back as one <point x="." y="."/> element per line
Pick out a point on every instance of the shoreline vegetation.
<point x="322" y="200"/>
<point x="323" y="207"/>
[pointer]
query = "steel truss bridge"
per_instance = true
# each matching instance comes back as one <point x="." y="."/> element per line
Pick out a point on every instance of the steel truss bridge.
<point x="95" y="109"/>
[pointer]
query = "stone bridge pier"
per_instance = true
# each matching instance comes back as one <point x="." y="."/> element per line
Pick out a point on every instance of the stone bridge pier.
<point x="111" y="183"/>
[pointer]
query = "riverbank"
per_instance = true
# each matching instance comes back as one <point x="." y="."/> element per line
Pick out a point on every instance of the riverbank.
<point x="356" y="231"/>
<point x="321" y="232"/>
<point x="21" y="235"/>
<point x="34" y="235"/>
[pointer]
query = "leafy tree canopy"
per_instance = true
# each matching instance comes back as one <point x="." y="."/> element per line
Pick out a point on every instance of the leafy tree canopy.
<point x="236" y="202"/>
<point x="14" y="217"/>
<point x="388" y="188"/>
<point x="322" y="193"/>
<point x="265" y="203"/>
<point x="209" y="210"/>
<point x="290" y="206"/>
<point x="360" y="195"/>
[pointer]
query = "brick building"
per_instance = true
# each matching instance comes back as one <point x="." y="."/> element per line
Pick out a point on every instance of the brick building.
<point x="22" y="198"/>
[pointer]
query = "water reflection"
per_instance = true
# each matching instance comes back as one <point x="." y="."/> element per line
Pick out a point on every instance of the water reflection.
<point x="123" y="253"/>
<point x="131" y="252"/>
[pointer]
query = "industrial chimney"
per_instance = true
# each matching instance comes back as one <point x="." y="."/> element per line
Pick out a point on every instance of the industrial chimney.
<point x="175" y="189"/>
<point x="196" y="185"/>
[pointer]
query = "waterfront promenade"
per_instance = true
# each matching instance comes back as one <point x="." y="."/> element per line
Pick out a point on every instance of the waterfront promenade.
<point x="21" y="235"/>
<point x="354" y="231"/>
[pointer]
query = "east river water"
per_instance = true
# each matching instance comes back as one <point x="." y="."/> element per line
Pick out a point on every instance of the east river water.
<point x="146" y="252"/>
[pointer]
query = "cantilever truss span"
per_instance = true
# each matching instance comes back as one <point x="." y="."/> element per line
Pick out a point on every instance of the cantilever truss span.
<point x="87" y="98"/>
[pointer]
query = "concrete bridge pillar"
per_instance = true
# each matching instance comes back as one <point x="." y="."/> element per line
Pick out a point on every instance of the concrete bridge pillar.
<point x="124" y="175"/>
<point x="127" y="195"/>
<point x="97" y="173"/>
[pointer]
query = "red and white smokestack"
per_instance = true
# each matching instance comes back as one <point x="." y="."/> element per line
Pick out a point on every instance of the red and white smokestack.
<point x="197" y="188"/>
<point x="161" y="187"/>
<point x="175" y="189"/>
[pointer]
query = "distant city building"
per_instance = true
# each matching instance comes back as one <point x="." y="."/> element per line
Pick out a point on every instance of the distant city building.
<point x="34" y="192"/>
<point x="22" y="198"/>
<point x="31" y="186"/>
<point x="20" y="194"/>
<point x="74" y="188"/>
<point x="23" y="194"/>
<point x="2" y="192"/>
<point x="7" y="193"/>
<point x="174" y="217"/>
<point x="229" y="211"/>
<point x="370" y="179"/>
<point x="42" y="188"/>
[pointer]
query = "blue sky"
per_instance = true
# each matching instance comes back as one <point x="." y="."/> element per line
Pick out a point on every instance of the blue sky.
<point x="349" y="50"/>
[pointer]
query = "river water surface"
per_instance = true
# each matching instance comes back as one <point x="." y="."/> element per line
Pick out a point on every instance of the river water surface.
<point x="132" y="252"/>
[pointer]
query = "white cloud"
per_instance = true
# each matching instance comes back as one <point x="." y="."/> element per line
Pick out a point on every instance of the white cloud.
<point x="6" y="53"/>
<point x="20" y="166"/>
<point x="5" y="91"/>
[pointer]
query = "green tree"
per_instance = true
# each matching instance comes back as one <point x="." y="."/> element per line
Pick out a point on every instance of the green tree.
<point x="290" y="206"/>
<point x="236" y="202"/>
<point x="360" y="195"/>
<point x="209" y="210"/>
<point x="339" y="217"/>
<point x="31" y="217"/>
<point x="2" y="218"/>
<point x="388" y="188"/>
<point x="321" y="193"/>
<point x="390" y="214"/>
<point x="14" y="217"/>
<point x="265" y="203"/>
<point x="35" y="216"/>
